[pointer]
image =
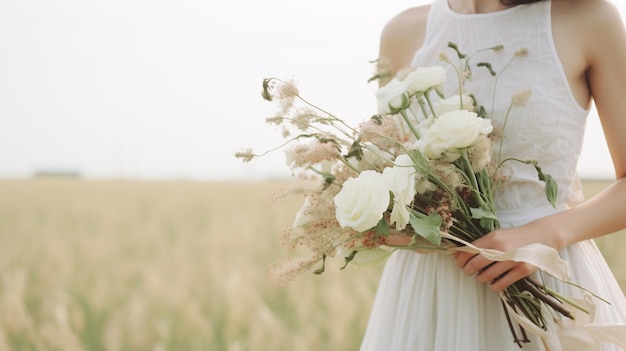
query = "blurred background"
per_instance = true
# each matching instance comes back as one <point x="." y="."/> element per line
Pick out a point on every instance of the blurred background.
<point x="170" y="89"/>
<point x="125" y="221"/>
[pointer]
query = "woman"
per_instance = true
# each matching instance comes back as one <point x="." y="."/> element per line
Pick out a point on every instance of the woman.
<point x="574" y="51"/>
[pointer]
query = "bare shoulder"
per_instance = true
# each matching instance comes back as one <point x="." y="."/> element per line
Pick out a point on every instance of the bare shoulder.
<point x="585" y="7"/>
<point x="596" y="29"/>
<point x="587" y="31"/>
<point x="407" y="21"/>
<point x="592" y="19"/>
<point x="402" y="36"/>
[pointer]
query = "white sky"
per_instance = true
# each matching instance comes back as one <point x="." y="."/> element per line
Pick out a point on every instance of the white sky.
<point x="171" y="88"/>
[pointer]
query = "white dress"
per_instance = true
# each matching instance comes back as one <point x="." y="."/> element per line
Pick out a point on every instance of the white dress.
<point x="424" y="301"/>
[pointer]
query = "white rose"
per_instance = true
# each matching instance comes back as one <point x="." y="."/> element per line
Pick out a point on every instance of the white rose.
<point x="453" y="103"/>
<point x="392" y="96"/>
<point x="452" y="131"/>
<point x="362" y="201"/>
<point x="424" y="78"/>
<point x="401" y="182"/>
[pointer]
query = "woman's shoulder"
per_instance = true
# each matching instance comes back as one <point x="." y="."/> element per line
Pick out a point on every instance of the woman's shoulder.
<point x="402" y="36"/>
<point x="587" y="12"/>
<point x="407" y="24"/>
<point x="595" y="24"/>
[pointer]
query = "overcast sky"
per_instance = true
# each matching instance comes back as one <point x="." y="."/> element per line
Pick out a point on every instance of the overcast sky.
<point x="170" y="88"/>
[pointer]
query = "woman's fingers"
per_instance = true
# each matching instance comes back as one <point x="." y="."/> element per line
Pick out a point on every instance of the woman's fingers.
<point x="472" y="263"/>
<point x="495" y="271"/>
<point x="499" y="274"/>
<point x="519" y="271"/>
<point x="462" y="258"/>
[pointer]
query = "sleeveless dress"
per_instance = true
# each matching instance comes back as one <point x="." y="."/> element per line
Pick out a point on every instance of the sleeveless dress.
<point x="424" y="301"/>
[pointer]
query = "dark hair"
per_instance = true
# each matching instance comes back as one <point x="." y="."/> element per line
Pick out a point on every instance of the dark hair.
<point x="518" y="2"/>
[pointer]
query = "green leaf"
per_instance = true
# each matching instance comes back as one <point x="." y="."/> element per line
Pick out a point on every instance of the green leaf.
<point x="323" y="267"/>
<point x="427" y="226"/>
<point x="355" y="151"/>
<point x="378" y="119"/>
<point x="479" y="213"/>
<point x="329" y="179"/>
<point x="419" y="161"/>
<point x="488" y="66"/>
<point x="552" y="190"/>
<point x="349" y="258"/>
<point x="406" y="102"/>
<point x="266" y="89"/>
<point x="454" y="47"/>
<point x="379" y="76"/>
<point x="488" y="219"/>
<point x="382" y="228"/>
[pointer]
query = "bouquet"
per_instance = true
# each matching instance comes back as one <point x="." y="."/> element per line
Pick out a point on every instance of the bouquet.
<point x="421" y="169"/>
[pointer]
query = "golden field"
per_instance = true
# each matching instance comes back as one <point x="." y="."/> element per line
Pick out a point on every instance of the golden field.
<point x="171" y="265"/>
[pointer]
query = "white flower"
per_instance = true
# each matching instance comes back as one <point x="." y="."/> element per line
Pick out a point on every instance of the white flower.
<point x="392" y="96"/>
<point x="453" y="103"/>
<point x="424" y="78"/>
<point x="452" y="131"/>
<point x="362" y="201"/>
<point x="401" y="182"/>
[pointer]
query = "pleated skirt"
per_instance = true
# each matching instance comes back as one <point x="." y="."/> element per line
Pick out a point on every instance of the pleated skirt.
<point x="425" y="302"/>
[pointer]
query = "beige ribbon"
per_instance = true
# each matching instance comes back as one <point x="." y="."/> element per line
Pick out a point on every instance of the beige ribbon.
<point x="541" y="256"/>
<point x="583" y="334"/>
<point x="579" y="334"/>
<point x="563" y="334"/>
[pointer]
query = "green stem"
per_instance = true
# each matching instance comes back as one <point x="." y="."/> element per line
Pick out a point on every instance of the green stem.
<point x="506" y="120"/>
<point x="411" y="127"/>
<point x="511" y="326"/>
<point x="335" y="118"/>
<point x="495" y="85"/>
<point x="459" y="78"/>
<point x="422" y="107"/>
<point x="528" y="162"/>
<point x="345" y="162"/>
<point x="567" y="300"/>
<point x="312" y="127"/>
<point x="282" y="145"/>
<point x="414" y="115"/>
<point x="467" y="165"/>
<point x="467" y="235"/>
<point x="527" y="285"/>
<point x="430" y="104"/>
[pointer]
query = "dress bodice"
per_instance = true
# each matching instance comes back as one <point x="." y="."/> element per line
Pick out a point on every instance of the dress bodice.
<point x="549" y="128"/>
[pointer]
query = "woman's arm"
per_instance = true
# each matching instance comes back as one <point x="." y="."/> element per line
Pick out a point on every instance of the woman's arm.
<point x="603" y="45"/>
<point x="401" y="38"/>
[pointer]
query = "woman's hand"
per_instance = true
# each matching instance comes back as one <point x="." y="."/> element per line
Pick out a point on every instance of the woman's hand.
<point x="499" y="275"/>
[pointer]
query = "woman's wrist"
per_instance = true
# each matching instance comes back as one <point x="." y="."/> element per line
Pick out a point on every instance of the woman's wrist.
<point x="552" y="231"/>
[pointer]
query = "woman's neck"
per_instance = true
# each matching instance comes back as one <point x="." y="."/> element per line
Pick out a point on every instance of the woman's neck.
<point x="476" y="6"/>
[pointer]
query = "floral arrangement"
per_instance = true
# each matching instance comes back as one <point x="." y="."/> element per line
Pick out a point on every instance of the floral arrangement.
<point x="420" y="170"/>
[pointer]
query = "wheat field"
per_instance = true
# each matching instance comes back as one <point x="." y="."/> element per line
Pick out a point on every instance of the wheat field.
<point x="171" y="265"/>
